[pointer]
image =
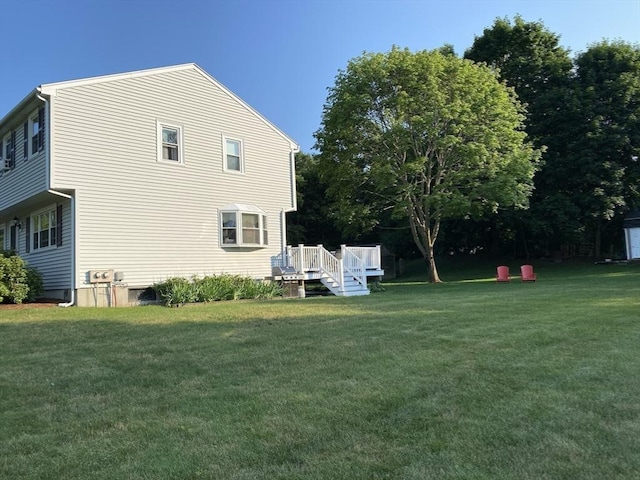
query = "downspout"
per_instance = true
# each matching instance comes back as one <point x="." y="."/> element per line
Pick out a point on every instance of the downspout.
<point x="292" y="168"/>
<point x="294" y="199"/>
<point x="71" y="198"/>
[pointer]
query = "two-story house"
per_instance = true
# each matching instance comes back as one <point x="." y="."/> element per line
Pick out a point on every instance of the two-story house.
<point x="119" y="181"/>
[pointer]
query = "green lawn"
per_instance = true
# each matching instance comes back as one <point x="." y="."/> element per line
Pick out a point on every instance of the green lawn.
<point x="465" y="380"/>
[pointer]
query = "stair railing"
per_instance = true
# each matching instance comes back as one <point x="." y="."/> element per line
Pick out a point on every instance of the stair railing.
<point x="354" y="265"/>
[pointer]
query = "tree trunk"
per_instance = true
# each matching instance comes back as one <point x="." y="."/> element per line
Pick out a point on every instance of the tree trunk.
<point x="425" y="238"/>
<point x="431" y="266"/>
<point x="598" y="241"/>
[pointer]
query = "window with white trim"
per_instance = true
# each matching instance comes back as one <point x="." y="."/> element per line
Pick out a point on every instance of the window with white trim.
<point x="2" y="237"/>
<point x="233" y="155"/>
<point x="34" y="123"/>
<point x="9" y="150"/>
<point x="243" y="226"/>
<point x="170" y="143"/>
<point x="43" y="229"/>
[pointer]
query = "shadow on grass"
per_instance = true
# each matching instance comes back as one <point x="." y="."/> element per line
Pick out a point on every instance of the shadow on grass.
<point x="532" y="382"/>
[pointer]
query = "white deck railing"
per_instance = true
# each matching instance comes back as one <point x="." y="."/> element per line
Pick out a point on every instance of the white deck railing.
<point x="371" y="256"/>
<point x="308" y="259"/>
<point x="354" y="265"/>
<point x="350" y="261"/>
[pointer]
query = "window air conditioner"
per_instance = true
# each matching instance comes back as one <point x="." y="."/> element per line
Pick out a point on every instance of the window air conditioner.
<point x="3" y="165"/>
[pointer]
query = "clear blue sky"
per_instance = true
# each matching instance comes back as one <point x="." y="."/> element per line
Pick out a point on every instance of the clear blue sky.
<point x="278" y="55"/>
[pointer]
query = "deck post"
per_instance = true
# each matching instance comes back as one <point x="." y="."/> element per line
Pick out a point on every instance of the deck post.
<point x="320" y="256"/>
<point x="301" y="256"/>
<point x="288" y="257"/>
<point x="343" y="249"/>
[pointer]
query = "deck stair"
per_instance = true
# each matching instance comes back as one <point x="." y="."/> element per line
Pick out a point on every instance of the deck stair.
<point x="343" y="272"/>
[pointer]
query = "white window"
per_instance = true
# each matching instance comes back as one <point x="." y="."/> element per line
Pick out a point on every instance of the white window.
<point x="9" y="151"/>
<point x="43" y="229"/>
<point x="229" y="228"/>
<point x="243" y="226"/>
<point x="34" y="122"/>
<point x="170" y="143"/>
<point x="233" y="155"/>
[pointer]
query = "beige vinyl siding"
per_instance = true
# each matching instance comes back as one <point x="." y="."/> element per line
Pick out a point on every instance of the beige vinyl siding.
<point x="28" y="177"/>
<point x="153" y="219"/>
<point x="54" y="263"/>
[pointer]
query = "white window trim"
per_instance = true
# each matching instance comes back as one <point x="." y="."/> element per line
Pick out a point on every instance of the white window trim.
<point x="35" y="114"/>
<point x="240" y="142"/>
<point x="3" y="144"/>
<point x="159" y="126"/>
<point x="32" y="230"/>
<point x="3" y="229"/>
<point x="239" y="210"/>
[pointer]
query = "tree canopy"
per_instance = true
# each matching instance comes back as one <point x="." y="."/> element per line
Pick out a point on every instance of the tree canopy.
<point x="584" y="113"/>
<point x="427" y="136"/>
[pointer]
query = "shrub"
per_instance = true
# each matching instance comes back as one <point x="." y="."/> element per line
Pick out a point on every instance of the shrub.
<point x="13" y="278"/>
<point x="177" y="290"/>
<point x="35" y="283"/>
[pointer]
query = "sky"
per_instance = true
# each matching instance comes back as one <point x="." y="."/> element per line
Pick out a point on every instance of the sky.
<point x="279" y="56"/>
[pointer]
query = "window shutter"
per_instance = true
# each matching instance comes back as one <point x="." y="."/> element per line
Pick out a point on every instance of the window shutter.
<point x="13" y="240"/>
<point x="25" y="140"/>
<point x="40" y="128"/>
<point x="27" y="227"/>
<point x="58" y="225"/>
<point x="13" y="149"/>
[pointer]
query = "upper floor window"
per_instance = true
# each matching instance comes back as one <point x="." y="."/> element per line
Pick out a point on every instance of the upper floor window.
<point x="233" y="155"/>
<point x="170" y="143"/>
<point x="9" y="151"/>
<point x="35" y="133"/>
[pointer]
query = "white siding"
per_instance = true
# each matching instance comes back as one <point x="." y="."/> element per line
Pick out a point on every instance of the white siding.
<point x="54" y="263"/>
<point x="151" y="219"/>
<point x="28" y="176"/>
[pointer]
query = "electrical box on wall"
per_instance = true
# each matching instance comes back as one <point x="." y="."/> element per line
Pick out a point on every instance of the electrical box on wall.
<point x="100" y="276"/>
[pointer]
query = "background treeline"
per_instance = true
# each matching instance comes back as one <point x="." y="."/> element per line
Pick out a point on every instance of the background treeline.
<point x="583" y="111"/>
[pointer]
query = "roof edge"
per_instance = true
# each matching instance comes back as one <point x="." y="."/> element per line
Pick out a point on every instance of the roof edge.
<point x="48" y="88"/>
<point x="292" y="143"/>
<point x="30" y="96"/>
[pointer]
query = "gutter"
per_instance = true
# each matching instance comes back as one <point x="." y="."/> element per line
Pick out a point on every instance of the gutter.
<point x="294" y="197"/>
<point x="20" y="105"/>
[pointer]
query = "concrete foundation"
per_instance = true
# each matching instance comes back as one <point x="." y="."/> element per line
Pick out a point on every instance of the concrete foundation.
<point x="103" y="295"/>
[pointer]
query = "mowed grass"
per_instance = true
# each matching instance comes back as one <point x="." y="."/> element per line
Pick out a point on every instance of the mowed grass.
<point x="465" y="380"/>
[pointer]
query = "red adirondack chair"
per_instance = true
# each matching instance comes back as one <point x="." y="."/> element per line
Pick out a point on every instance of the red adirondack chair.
<point x="527" y="274"/>
<point x="502" y="274"/>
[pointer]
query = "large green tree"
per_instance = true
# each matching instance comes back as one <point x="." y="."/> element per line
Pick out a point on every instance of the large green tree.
<point x="529" y="58"/>
<point x="426" y="135"/>
<point x="313" y="222"/>
<point x="604" y="146"/>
